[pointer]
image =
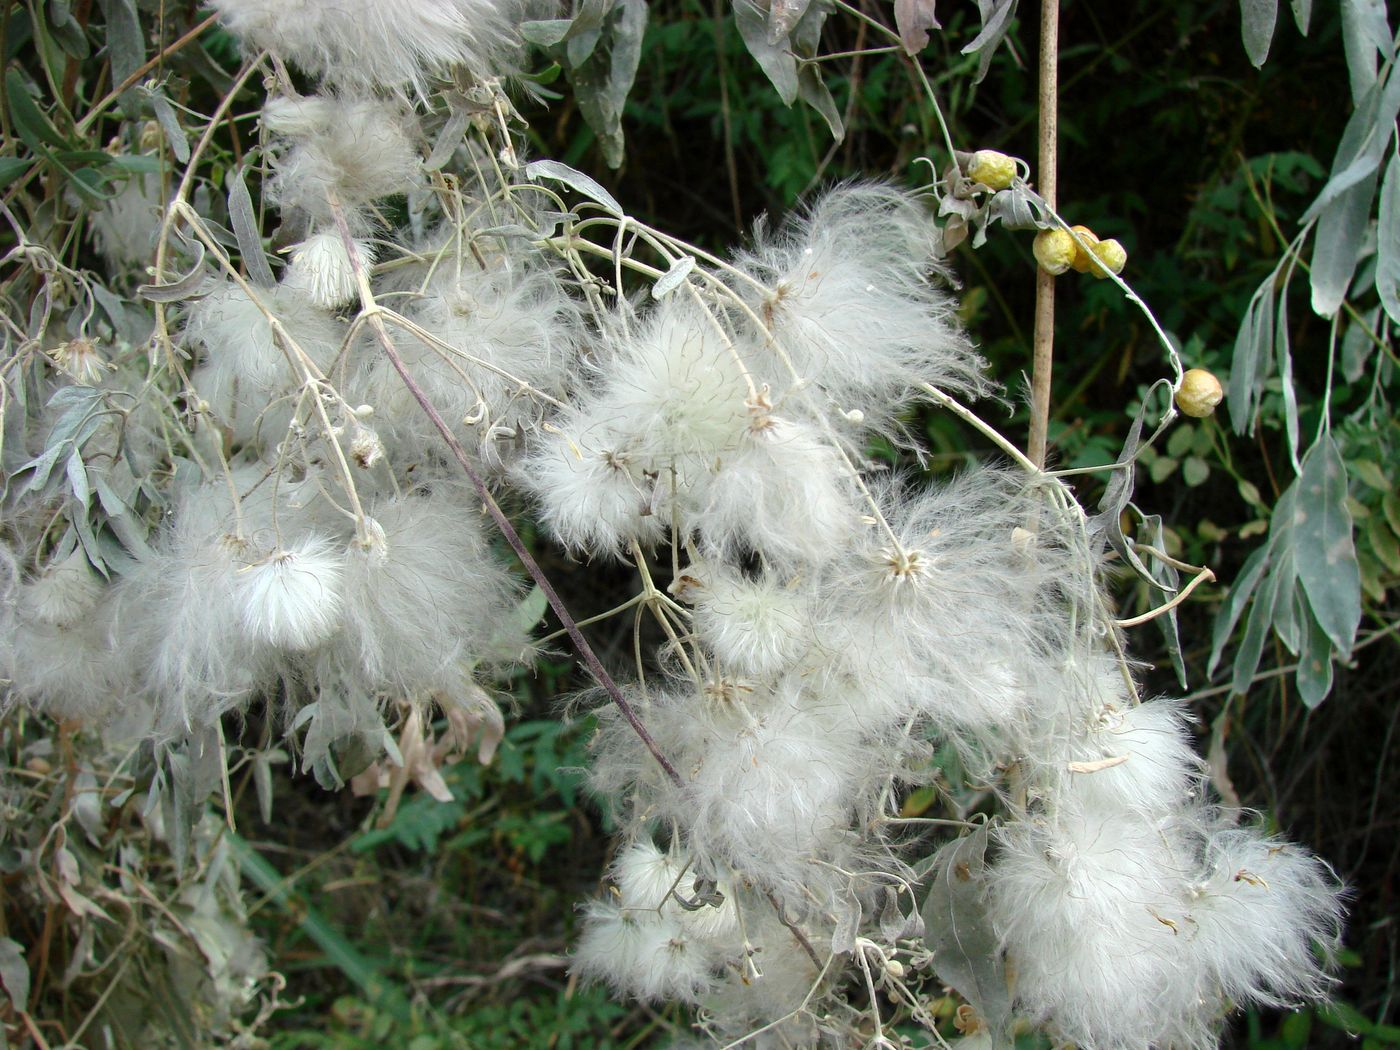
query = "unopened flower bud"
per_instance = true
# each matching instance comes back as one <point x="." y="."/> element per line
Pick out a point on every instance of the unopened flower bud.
<point x="894" y="968"/>
<point x="1109" y="258"/>
<point x="992" y="169"/>
<point x="1199" y="393"/>
<point x="1054" y="251"/>
<point x="1082" y="259"/>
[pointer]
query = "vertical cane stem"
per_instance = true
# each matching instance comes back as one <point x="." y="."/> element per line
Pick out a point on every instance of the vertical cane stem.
<point x="1044" y="339"/>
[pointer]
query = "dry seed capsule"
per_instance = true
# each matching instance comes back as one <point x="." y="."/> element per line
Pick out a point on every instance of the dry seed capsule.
<point x="1199" y="393"/>
<point x="1109" y="258"/>
<point x="1082" y="259"/>
<point x="1054" y="251"/>
<point x="992" y="169"/>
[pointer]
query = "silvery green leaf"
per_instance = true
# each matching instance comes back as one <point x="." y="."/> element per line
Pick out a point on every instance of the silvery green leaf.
<point x="245" y="228"/>
<point x="1256" y="632"/>
<point x="78" y="479"/>
<point x="1388" y="243"/>
<point x="1235" y="602"/>
<point x="451" y="135"/>
<point x="1284" y="362"/>
<point x="996" y="23"/>
<point x="1362" y="146"/>
<point x="628" y="29"/>
<point x="1357" y="345"/>
<point x="1337" y="244"/>
<point x="894" y="924"/>
<point x="126" y="44"/>
<point x="575" y="180"/>
<point x="182" y="287"/>
<point x="843" y="936"/>
<point x="966" y="952"/>
<point x="673" y="278"/>
<point x="783" y="16"/>
<point x="914" y="19"/>
<point x="1323" y="534"/>
<point x="1249" y="368"/>
<point x="579" y="47"/>
<point x="14" y="974"/>
<point x="812" y="89"/>
<point x="530" y="612"/>
<point x="1018" y="209"/>
<point x="1283" y="614"/>
<point x="262" y="781"/>
<point x="1314" y="674"/>
<point x="1168" y="581"/>
<point x="121" y="518"/>
<point x="1257" y="19"/>
<point x="1302" y="14"/>
<point x="1365" y="31"/>
<point x="546" y="32"/>
<point x="170" y="125"/>
<point x="594" y="102"/>
<point x="775" y="59"/>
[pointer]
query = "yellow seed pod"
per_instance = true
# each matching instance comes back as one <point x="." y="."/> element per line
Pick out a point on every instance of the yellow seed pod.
<point x="1199" y="393"/>
<point x="992" y="169"/>
<point x="1054" y="251"/>
<point x="1082" y="259"/>
<point x="1109" y="257"/>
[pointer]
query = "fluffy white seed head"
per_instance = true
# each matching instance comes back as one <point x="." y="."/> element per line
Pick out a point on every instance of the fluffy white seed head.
<point x="651" y="881"/>
<point x="754" y="626"/>
<point x="1136" y="756"/>
<point x="504" y="336"/>
<point x="425" y="594"/>
<point x="364" y="44"/>
<point x="851" y="304"/>
<point x="642" y="955"/>
<point x="594" y="494"/>
<point x="1263" y="910"/>
<point x="357" y="150"/>
<point x="321" y="269"/>
<point x="124" y="227"/>
<point x="783" y="492"/>
<point x="1089" y="909"/>
<point x="291" y="599"/>
<point x="244" y="374"/>
<point x="65" y="594"/>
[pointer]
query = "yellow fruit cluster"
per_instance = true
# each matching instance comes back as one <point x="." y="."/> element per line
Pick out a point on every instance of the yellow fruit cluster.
<point x="1078" y="249"/>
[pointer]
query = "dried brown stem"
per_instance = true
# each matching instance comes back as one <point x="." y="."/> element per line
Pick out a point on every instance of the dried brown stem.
<point x="1044" y="338"/>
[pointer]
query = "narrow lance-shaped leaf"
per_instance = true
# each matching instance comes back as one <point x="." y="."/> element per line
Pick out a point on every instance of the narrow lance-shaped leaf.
<point x="1250" y="366"/>
<point x="1235" y="603"/>
<point x="1365" y="31"/>
<point x="1388" y="241"/>
<point x="1325" y="552"/>
<point x="1314" y="675"/>
<point x="14" y="974"/>
<point x="996" y="23"/>
<point x="245" y="228"/>
<point x="575" y="180"/>
<point x="1257" y="19"/>
<point x="1341" y="231"/>
<point x="1284" y="353"/>
<point x="1302" y="14"/>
